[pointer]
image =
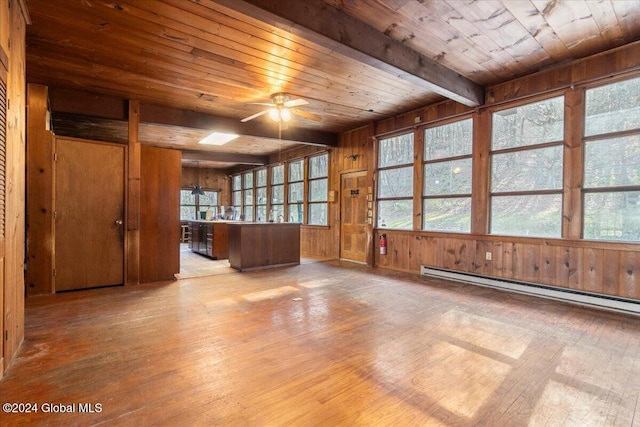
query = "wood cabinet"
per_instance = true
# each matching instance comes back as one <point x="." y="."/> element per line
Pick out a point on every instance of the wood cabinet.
<point x="263" y="245"/>
<point x="209" y="238"/>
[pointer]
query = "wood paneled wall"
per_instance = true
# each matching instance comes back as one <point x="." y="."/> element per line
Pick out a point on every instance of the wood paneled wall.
<point x="39" y="194"/>
<point x="604" y="268"/>
<point x="598" y="267"/>
<point x="354" y="153"/>
<point x="598" y="67"/>
<point x="208" y="179"/>
<point x="13" y="21"/>
<point x="40" y="235"/>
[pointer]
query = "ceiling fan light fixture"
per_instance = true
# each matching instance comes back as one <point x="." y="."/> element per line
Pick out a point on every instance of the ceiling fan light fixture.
<point x="280" y="114"/>
<point x="285" y="114"/>
<point x="274" y="114"/>
<point x="283" y="109"/>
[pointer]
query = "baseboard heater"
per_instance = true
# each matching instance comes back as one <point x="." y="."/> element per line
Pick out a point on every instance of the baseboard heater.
<point x="567" y="295"/>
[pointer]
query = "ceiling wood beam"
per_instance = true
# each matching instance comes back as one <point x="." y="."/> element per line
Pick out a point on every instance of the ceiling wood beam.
<point x="172" y="116"/>
<point x="245" y="159"/>
<point x="110" y="107"/>
<point x="329" y="27"/>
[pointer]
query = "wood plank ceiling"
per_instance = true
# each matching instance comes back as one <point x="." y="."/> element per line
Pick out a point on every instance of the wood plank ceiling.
<point x="354" y="61"/>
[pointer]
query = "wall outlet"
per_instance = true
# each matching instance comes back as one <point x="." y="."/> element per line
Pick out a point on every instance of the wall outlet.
<point x="488" y="256"/>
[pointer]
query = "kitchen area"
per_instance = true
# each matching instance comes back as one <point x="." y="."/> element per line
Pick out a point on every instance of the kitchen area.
<point x="217" y="240"/>
<point x="246" y="245"/>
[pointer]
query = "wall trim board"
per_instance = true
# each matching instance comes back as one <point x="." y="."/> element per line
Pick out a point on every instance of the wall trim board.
<point x="593" y="244"/>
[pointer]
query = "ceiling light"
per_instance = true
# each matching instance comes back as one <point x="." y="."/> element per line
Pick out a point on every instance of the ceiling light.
<point x="280" y="114"/>
<point x="218" y="138"/>
<point x="285" y="114"/>
<point x="196" y="188"/>
<point x="274" y="114"/>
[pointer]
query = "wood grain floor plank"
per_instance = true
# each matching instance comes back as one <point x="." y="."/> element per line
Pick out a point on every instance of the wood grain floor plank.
<point x="323" y="344"/>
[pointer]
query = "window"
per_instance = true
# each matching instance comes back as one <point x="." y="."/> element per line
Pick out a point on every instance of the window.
<point x="318" y="188"/>
<point x="277" y="193"/>
<point x="296" y="191"/>
<point x="208" y="202"/>
<point x="261" y="195"/>
<point x="395" y="182"/>
<point x="446" y="201"/>
<point x="526" y="169"/>
<point x="236" y="190"/>
<point x="247" y="185"/>
<point x="611" y="187"/>
<point x="188" y="207"/>
<point x="194" y="206"/>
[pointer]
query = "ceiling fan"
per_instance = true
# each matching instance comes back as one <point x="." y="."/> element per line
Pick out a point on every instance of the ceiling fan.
<point x="281" y="109"/>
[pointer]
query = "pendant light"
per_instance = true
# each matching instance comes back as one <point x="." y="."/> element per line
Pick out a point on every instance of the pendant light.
<point x="196" y="188"/>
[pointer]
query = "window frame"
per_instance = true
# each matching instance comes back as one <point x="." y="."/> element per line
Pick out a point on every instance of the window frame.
<point x="236" y="192"/>
<point x="273" y="215"/>
<point x="442" y="160"/>
<point x="290" y="181"/>
<point x="310" y="180"/>
<point x="246" y="187"/>
<point x="197" y="205"/>
<point x="601" y="138"/>
<point x="261" y="205"/>
<point x="408" y="165"/>
<point x="493" y="195"/>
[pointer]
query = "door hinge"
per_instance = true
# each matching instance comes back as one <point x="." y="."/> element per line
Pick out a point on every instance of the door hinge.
<point x="55" y="214"/>
<point x="55" y="157"/>
<point x="55" y="272"/>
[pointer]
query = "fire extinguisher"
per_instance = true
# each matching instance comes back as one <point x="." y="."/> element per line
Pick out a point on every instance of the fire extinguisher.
<point x="383" y="244"/>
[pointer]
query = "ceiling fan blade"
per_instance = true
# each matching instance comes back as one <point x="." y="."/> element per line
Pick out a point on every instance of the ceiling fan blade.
<point x="261" y="103"/>
<point x="246" y="119"/>
<point x="306" y="115"/>
<point x="295" y="103"/>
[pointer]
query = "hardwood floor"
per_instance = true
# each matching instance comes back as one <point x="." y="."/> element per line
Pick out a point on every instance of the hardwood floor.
<point x="323" y="344"/>
<point x="194" y="265"/>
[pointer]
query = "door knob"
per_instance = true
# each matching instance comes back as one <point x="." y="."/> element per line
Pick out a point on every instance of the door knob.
<point x="119" y="221"/>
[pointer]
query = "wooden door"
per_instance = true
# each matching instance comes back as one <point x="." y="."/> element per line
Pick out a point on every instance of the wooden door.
<point x="353" y="214"/>
<point x="160" y="170"/>
<point x="89" y="214"/>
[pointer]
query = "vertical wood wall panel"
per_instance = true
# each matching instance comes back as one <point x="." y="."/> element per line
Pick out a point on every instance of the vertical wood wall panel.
<point x="208" y="179"/>
<point x="548" y="261"/>
<point x="133" y="205"/>
<point x="507" y="260"/>
<point x="611" y="268"/>
<point x="13" y="285"/>
<point x="531" y="260"/>
<point x="629" y="272"/>
<point x="39" y="193"/>
<point x="592" y="270"/>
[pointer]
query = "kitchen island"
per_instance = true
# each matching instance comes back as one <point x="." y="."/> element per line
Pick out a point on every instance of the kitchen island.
<point x="256" y="245"/>
<point x="209" y="238"/>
